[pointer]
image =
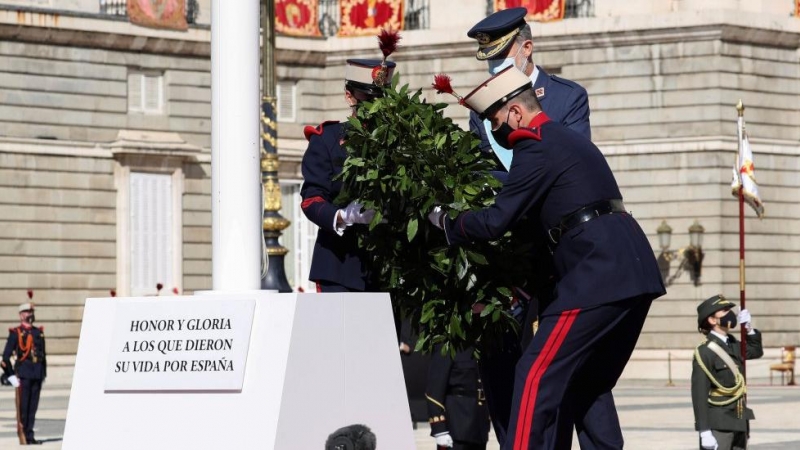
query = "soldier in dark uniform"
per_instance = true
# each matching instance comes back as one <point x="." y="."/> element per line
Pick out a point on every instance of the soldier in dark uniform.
<point x="606" y="274"/>
<point x="338" y="263"/>
<point x="457" y="410"/>
<point x="505" y="39"/>
<point x="26" y="343"/>
<point x="721" y="414"/>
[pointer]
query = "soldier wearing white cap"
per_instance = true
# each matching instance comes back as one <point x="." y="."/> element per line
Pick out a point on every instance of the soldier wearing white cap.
<point x="337" y="264"/>
<point x="606" y="275"/>
<point x="505" y="39"/>
<point x="26" y="343"/>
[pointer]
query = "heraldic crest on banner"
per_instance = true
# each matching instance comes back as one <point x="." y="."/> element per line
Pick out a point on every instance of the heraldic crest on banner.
<point x="297" y="17"/>
<point x="538" y="10"/>
<point x="158" y="13"/>
<point x="368" y="17"/>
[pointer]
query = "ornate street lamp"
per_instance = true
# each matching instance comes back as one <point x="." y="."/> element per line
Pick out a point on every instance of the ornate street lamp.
<point x="273" y="223"/>
<point x="691" y="256"/>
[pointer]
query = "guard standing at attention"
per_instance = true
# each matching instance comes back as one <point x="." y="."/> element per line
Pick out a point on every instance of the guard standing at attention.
<point x="606" y="275"/>
<point x="26" y="343"/>
<point x="457" y="410"/>
<point x="721" y="414"/>
<point x="338" y="264"/>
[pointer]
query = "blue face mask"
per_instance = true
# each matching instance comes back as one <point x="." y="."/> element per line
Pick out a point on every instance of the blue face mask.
<point x="497" y="65"/>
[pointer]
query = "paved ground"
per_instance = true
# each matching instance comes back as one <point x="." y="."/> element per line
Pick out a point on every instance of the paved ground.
<point x="652" y="417"/>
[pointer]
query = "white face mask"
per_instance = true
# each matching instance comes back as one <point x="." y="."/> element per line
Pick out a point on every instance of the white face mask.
<point x="497" y="65"/>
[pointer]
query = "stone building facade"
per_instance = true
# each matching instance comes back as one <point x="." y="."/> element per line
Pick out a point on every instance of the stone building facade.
<point x="663" y="78"/>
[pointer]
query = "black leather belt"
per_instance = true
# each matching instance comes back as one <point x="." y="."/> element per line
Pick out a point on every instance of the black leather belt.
<point x="584" y="214"/>
<point x="462" y="392"/>
<point x="477" y="393"/>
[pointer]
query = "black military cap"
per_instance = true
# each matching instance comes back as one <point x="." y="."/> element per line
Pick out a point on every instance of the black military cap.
<point x="496" y="32"/>
<point x="710" y="306"/>
<point x="368" y="75"/>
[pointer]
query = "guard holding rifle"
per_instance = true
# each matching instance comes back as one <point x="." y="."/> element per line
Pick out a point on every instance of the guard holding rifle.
<point x="26" y="343"/>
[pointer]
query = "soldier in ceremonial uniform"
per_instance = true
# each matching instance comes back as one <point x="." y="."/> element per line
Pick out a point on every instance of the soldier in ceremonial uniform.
<point x="505" y="39"/>
<point x="457" y="410"/>
<point x="338" y="264"/>
<point x="606" y="274"/>
<point x="718" y="385"/>
<point x="26" y="343"/>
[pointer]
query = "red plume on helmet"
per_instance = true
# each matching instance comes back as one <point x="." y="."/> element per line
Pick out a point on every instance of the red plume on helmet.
<point x="442" y="85"/>
<point x="175" y="290"/>
<point x="387" y="41"/>
<point x="30" y="294"/>
<point x="113" y="292"/>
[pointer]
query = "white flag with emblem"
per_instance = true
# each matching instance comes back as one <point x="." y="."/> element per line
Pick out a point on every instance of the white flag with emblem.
<point x="744" y="173"/>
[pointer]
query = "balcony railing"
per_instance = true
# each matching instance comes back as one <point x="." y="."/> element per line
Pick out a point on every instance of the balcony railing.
<point x="120" y="8"/>
<point x="114" y="7"/>
<point x="417" y="16"/>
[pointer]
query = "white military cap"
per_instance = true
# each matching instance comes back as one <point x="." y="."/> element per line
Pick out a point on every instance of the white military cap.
<point x="497" y="90"/>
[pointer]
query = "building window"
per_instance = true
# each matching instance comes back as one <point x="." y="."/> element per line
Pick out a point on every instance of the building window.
<point x="146" y="92"/>
<point x="578" y="8"/>
<point x="151" y="233"/>
<point x="286" y="99"/>
<point x="418" y="14"/>
<point x="299" y="238"/>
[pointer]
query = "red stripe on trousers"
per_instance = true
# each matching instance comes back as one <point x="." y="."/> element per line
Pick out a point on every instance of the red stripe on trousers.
<point x="525" y="401"/>
<point x="310" y="201"/>
<point x="319" y="287"/>
<point x="528" y="401"/>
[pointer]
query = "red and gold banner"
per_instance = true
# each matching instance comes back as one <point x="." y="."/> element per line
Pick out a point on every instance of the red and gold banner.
<point x="297" y="17"/>
<point x="169" y="14"/>
<point x="368" y="17"/>
<point x="538" y="10"/>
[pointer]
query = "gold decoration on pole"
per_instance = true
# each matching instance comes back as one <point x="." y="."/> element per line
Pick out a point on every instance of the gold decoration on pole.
<point x="273" y="222"/>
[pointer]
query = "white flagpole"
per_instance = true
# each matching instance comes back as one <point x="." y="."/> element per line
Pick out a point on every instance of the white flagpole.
<point x="236" y="239"/>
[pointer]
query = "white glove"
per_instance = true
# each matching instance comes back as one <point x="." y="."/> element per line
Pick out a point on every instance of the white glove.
<point x="745" y="319"/>
<point x="436" y="217"/>
<point x="444" y="440"/>
<point x="707" y="440"/>
<point x="352" y="214"/>
<point x="14" y="381"/>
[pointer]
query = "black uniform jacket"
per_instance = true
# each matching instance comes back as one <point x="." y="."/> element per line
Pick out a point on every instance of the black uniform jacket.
<point x="455" y="398"/>
<point x="27" y="345"/>
<point x="336" y="259"/>
<point x="555" y="172"/>
<point x="723" y="418"/>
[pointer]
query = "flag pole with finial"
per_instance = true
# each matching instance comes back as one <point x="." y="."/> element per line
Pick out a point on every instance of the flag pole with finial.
<point x="738" y="165"/>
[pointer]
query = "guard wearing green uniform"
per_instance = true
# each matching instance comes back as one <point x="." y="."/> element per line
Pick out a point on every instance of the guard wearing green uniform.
<point x="718" y="387"/>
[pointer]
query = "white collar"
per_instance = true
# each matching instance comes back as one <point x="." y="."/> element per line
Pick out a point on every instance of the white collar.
<point x="723" y="337"/>
<point x="534" y="74"/>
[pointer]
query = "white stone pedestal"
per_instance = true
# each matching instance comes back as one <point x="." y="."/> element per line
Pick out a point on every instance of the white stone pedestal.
<point x="316" y="362"/>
